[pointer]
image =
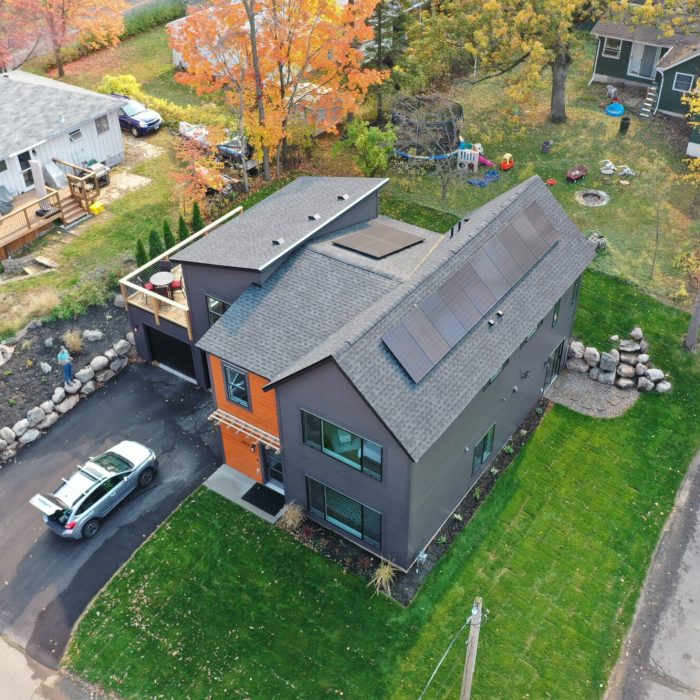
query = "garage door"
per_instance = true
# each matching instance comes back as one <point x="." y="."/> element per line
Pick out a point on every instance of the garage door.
<point x="170" y="351"/>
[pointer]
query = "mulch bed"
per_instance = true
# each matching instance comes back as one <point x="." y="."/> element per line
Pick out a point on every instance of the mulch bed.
<point x="406" y="585"/>
<point x="22" y="383"/>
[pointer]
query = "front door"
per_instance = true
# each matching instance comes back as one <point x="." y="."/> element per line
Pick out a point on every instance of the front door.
<point x="553" y="364"/>
<point x="26" y="168"/>
<point x="272" y="463"/>
<point x="643" y="59"/>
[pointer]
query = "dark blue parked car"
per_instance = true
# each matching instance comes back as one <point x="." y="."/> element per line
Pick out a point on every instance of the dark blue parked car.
<point x="137" y="119"/>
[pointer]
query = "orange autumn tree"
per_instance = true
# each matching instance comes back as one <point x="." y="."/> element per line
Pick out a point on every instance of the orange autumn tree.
<point x="18" y="35"/>
<point x="280" y="61"/>
<point x="96" y="23"/>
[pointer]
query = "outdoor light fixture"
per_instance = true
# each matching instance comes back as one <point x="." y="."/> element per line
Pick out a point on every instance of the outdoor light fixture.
<point x="525" y="374"/>
<point x="515" y="389"/>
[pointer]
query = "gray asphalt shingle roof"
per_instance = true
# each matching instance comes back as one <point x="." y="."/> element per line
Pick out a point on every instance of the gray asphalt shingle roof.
<point x="247" y="241"/>
<point x="417" y="414"/>
<point x="34" y="109"/>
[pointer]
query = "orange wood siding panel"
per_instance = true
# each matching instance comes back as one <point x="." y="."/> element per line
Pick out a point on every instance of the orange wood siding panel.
<point x="240" y="452"/>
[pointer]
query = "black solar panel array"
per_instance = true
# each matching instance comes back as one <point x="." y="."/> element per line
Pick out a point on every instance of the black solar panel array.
<point x="427" y="333"/>
<point x="378" y="241"/>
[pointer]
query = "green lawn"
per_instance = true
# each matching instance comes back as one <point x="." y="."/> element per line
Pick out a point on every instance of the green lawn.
<point x="220" y="604"/>
<point x="629" y="220"/>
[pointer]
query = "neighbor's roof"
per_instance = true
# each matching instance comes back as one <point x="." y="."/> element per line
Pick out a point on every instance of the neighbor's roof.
<point x="34" y="109"/>
<point x="247" y="242"/>
<point x="317" y="291"/>
<point x="418" y="413"/>
<point x="645" y="33"/>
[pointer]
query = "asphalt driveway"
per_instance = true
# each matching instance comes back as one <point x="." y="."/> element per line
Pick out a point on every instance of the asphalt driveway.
<point x="46" y="582"/>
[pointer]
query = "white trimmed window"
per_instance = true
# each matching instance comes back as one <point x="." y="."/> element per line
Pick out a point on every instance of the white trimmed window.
<point x="75" y="135"/>
<point x="683" y="82"/>
<point x="612" y="48"/>
<point x="102" y="124"/>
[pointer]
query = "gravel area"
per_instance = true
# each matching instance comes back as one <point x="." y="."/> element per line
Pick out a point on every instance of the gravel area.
<point x="583" y="395"/>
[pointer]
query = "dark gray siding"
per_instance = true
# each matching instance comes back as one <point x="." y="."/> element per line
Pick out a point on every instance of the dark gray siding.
<point x="670" y="99"/>
<point x="325" y="392"/>
<point x="365" y="210"/>
<point x="616" y="68"/>
<point x="443" y="476"/>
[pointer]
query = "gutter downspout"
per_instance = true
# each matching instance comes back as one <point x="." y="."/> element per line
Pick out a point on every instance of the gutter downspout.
<point x="661" y="87"/>
<point x="595" y="64"/>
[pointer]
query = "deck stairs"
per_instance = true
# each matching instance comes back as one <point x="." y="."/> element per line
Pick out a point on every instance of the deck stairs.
<point x="72" y="211"/>
<point x="650" y="101"/>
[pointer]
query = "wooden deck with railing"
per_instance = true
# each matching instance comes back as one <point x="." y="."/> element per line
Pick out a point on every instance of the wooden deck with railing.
<point x="175" y="309"/>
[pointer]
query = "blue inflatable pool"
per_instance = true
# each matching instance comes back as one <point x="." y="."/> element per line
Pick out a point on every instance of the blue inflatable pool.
<point x="615" y="109"/>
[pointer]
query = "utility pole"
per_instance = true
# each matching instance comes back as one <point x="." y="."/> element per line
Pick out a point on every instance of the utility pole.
<point x="472" y="644"/>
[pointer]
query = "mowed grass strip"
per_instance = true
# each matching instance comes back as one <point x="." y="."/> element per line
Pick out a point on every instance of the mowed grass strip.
<point x="219" y="604"/>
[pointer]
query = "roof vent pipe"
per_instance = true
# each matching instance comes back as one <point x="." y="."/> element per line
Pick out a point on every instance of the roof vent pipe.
<point x="314" y="217"/>
<point x="278" y="241"/>
<point x="344" y="196"/>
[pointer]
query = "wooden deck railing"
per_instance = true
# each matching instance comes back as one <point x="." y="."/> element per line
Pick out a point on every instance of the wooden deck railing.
<point x="26" y="219"/>
<point x="83" y="183"/>
<point x="160" y="306"/>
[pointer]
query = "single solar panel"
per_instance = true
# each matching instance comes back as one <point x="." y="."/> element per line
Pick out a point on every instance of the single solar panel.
<point x="427" y="333"/>
<point x="378" y="241"/>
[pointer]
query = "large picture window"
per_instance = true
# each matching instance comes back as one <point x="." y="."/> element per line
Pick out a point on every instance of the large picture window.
<point x="236" y="386"/>
<point x="483" y="449"/>
<point x="612" y="48"/>
<point x="215" y="309"/>
<point x="342" y="511"/>
<point x="353" y="450"/>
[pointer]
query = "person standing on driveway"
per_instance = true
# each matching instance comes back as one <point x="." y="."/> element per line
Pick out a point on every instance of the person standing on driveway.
<point x="66" y="360"/>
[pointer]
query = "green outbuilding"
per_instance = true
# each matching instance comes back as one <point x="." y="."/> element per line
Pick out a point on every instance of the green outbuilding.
<point x="668" y="66"/>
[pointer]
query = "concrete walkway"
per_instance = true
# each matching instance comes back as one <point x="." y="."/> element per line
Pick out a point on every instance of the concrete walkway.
<point x="232" y="484"/>
<point x="661" y="656"/>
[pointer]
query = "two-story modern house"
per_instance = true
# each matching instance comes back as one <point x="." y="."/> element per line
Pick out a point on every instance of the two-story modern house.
<point x="370" y="369"/>
<point x="668" y="66"/>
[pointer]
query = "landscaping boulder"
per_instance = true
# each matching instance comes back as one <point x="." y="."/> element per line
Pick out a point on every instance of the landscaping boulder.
<point x="73" y="387"/>
<point x="88" y="388"/>
<point x="9" y="453"/>
<point x="46" y="406"/>
<point x="119" y="301"/>
<point x="45" y="367"/>
<point x="31" y="435"/>
<point x="636" y="334"/>
<point x="628" y="358"/>
<point x="608" y="363"/>
<point x="7" y="434"/>
<point x="576" y="364"/>
<point x="59" y="393"/>
<point x="643" y="345"/>
<point x="644" y="384"/>
<point x="591" y="356"/>
<point x="110" y="355"/>
<point x="624" y="383"/>
<point x="663" y="387"/>
<point x="67" y="404"/>
<point x="640" y="369"/>
<point x="626" y="371"/>
<point x="3" y="445"/>
<point x="20" y="427"/>
<point x="606" y="377"/>
<point x="92" y="335"/>
<point x="104" y="376"/>
<point x="121" y="347"/>
<point x="614" y="338"/>
<point x="616" y="354"/>
<point x="5" y="353"/>
<point x="118" y="364"/>
<point x="48" y="343"/>
<point x="50" y="419"/>
<point x="99" y="363"/>
<point x="85" y="374"/>
<point x="593" y="374"/>
<point x="655" y="374"/>
<point x="629" y="346"/>
<point x="643" y="358"/>
<point x="35" y="416"/>
<point x="576" y="349"/>
<point x="130" y="337"/>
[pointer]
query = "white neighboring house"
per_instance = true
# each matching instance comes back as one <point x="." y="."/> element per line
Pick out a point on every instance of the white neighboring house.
<point x="43" y="119"/>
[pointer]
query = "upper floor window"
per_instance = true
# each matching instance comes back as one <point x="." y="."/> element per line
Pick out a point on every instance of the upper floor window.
<point x="215" y="309"/>
<point x="683" y="82"/>
<point x="612" y="48"/>
<point x="483" y="449"/>
<point x="555" y="315"/>
<point x="75" y="135"/>
<point x="102" y="124"/>
<point x="3" y="166"/>
<point x="236" y="386"/>
<point x="353" y="450"/>
<point x="576" y="290"/>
